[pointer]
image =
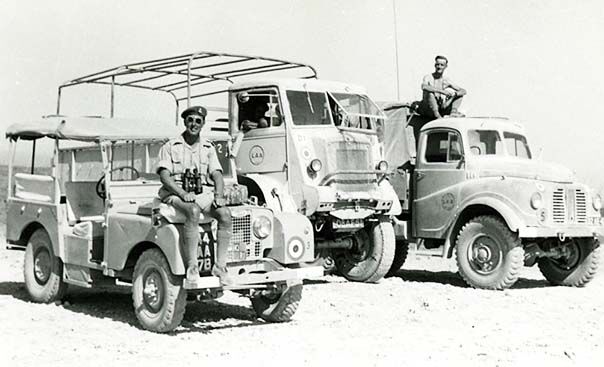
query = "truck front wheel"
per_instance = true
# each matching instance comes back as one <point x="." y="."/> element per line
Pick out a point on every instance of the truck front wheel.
<point x="278" y="307"/>
<point x="42" y="270"/>
<point x="158" y="296"/>
<point x="577" y="267"/>
<point x="372" y="255"/>
<point x="489" y="255"/>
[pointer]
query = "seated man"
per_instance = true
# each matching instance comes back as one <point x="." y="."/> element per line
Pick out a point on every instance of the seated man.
<point x="440" y="96"/>
<point x="258" y="118"/>
<point x="190" y="151"/>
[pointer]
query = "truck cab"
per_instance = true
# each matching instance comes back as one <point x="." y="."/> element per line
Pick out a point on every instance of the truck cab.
<point x="475" y="186"/>
<point x="319" y="152"/>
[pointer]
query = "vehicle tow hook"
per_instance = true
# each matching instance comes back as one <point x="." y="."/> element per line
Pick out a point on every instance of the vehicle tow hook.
<point x="561" y="237"/>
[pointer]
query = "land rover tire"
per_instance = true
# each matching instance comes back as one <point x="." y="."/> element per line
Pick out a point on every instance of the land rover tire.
<point x="576" y="269"/>
<point x="489" y="255"/>
<point x="42" y="270"/>
<point x="158" y="295"/>
<point x="400" y="255"/>
<point x="279" y="307"/>
<point x="371" y="257"/>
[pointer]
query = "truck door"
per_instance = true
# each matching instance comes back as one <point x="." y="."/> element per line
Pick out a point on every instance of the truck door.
<point x="263" y="147"/>
<point x="439" y="172"/>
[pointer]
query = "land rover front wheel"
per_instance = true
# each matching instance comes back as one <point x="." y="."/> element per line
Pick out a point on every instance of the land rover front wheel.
<point x="371" y="256"/>
<point x="158" y="296"/>
<point x="489" y="255"/>
<point x="42" y="270"/>
<point x="280" y="306"/>
<point x="576" y="267"/>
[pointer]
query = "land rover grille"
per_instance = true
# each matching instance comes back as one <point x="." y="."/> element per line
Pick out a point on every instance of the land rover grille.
<point x="242" y="247"/>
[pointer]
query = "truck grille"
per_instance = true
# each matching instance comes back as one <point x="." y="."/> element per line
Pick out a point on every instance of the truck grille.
<point x="569" y="206"/>
<point x="241" y="246"/>
<point x="352" y="156"/>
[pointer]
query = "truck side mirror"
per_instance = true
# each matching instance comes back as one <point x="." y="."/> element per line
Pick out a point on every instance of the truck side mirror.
<point x="236" y="144"/>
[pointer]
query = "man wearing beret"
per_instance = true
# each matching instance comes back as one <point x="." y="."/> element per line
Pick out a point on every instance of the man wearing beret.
<point x="191" y="151"/>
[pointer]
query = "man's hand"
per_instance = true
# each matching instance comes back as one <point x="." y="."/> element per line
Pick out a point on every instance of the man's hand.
<point x="219" y="201"/>
<point x="189" y="197"/>
<point x="450" y="92"/>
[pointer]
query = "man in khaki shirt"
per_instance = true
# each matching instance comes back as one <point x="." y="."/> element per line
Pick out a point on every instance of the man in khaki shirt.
<point x="191" y="151"/>
<point x="440" y="97"/>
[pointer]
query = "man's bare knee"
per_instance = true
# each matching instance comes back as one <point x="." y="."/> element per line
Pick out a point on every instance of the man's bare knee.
<point x="223" y="216"/>
<point x="193" y="211"/>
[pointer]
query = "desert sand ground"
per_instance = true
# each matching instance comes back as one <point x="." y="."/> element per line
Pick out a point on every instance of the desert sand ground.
<point x="423" y="316"/>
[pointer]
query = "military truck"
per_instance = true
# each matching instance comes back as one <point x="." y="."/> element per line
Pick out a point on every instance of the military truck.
<point x="319" y="151"/>
<point x="473" y="185"/>
<point x="95" y="219"/>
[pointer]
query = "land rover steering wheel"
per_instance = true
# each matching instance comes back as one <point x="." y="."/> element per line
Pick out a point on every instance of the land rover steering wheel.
<point x="100" y="184"/>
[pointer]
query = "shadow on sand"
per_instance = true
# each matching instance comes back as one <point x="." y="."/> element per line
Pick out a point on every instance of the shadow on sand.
<point x="115" y="303"/>
<point x="454" y="279"/>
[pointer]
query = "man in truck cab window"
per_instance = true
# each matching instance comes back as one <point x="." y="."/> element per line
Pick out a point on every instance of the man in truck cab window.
<point x="192" y="160"/>
<point x="440" y="96"/>
<point x="257" y="117"/>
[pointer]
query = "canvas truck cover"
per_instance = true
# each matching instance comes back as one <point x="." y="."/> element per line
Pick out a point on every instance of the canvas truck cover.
<point x="399" y="144"/>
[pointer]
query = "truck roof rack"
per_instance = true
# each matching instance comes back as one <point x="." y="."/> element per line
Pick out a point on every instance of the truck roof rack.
<point x="190" y="76"/>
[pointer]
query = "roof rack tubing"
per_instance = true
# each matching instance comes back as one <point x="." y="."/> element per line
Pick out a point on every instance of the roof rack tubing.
<point x="211" y="79"/>
<point x="184" y="57"/>
<point x="266" y="71"/>
<point x="203" y="95"/>
<point x="252" y="68"/>
<point x="164" y="73"/>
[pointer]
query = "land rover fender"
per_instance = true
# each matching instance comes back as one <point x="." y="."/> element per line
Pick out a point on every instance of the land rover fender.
<point x="21" y="217"/>
<point x="294" y="242"/>
<point x="126" y="232"/>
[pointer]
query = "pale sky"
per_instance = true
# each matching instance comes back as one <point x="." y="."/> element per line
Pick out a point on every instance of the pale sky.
<point x="538" y="62"/>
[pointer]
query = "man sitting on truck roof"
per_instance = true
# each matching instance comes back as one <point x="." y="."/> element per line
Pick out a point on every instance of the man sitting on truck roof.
<point x="189" y="152"/>
<point x="441" y="96"/>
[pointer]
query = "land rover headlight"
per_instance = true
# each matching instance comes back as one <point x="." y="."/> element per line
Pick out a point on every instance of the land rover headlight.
<point x="597" y="201"/>
<point x="315" y="165"/>
<point x="382" y="166"/>
<point x="295" y="248"/>
<point x="262" y="227"/>
<point x="536" y="201"/>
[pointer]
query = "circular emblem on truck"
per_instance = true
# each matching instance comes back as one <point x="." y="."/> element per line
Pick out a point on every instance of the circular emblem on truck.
<point x="448" y="201"/>
<point x="256" y="155"/>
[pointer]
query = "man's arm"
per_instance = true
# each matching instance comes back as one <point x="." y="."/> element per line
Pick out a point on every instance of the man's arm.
<point x="166" y="179"/>
<point x="459" y="91"/>
<point x="429" y="88"/>
<point x="219" y="199"/>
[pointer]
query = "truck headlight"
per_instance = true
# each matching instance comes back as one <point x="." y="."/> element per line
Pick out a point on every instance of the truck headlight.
<point x="315" y="165"/>
<point x="382" y="166"/>
<point x="295" y="248"/>
<point x="262" y="227"/>
<point x="597" y="201"/>
<point x="536" y="201"/>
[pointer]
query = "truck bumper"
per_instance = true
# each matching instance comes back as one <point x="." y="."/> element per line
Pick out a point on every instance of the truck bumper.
<point x="250" y="280"/>
<point x="562" y="232"/>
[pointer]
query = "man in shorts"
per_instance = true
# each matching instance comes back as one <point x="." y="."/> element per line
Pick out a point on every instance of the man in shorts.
<point x="191" y="151"/>
<point x="441" y="97"/>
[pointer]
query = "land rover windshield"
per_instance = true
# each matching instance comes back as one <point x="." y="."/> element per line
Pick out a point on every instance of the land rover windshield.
<point x="490" y="142"/>
<point x="342" y="109"/>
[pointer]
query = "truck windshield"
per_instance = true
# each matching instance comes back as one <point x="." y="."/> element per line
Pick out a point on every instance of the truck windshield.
<point x="355" y="111"/>
<point x="516" y="145"/>
<point x="485" y="142"/>
<point x="309" y="108"/>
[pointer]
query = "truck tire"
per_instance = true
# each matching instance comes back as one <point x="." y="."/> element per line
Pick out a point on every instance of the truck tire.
<point x="42" y="270"/>
<point x="279" y="307"/>
<point x="489" y="255"/>
<point x="400" y="255"/>
<point x="372" y="256"/>
<point x="158" y="296"/>
<point x="577" y="269"/>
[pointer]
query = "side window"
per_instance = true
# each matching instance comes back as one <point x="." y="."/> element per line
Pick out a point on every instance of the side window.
<point x="442" y="147"/>
<point x="259" y="110"/>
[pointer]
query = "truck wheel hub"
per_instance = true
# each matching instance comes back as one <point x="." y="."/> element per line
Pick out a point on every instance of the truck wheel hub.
<point x="484" y="255"/>
<point x="153" y="293"/>
<point x="42" y="266"/>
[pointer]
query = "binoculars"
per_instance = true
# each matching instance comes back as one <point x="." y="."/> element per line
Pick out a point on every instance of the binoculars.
<point x="191" y="181"/>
